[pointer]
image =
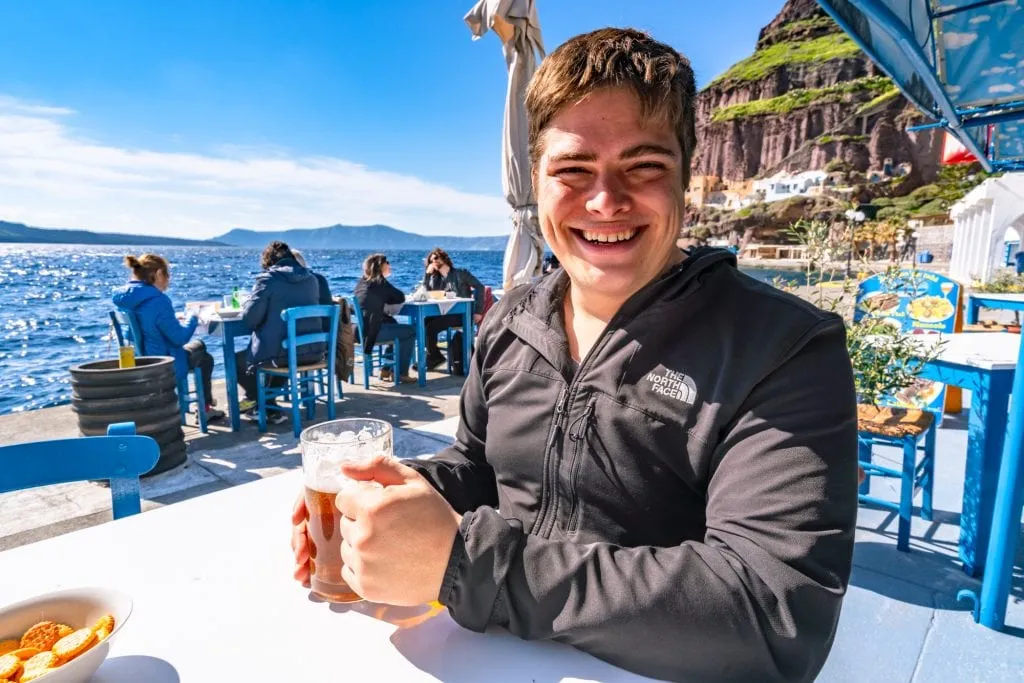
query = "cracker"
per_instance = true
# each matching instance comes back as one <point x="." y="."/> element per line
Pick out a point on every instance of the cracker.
<point x="104" y="623"/>
<point x="9" y="666"/>
<point x="25" y="652"/>
<point x="64" y="630"/>
<point x="8" y="646"/>
<point x="43" y="635"/>
<point x="69" y="647"/>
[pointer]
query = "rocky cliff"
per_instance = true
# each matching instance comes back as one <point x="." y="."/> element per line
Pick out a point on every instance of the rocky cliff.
<point x="805" y="98"/>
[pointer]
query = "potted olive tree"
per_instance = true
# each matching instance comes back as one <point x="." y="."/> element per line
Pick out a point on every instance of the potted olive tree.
<point x="886" y="361"/>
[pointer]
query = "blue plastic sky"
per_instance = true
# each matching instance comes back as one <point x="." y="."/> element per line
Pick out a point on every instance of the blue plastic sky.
<point x="192" y="117"/>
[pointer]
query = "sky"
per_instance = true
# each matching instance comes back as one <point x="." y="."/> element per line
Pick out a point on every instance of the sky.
<point x="190" y="118"/>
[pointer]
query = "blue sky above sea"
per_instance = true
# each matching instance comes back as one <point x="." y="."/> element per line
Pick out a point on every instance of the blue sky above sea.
<point x="191" y="118"/>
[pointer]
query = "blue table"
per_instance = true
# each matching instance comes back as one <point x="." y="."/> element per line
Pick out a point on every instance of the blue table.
<point x="984" y="364"/>
<point x="975" y="302"/>
<point x="419" y="311"/>
<point x="229" y="329"/>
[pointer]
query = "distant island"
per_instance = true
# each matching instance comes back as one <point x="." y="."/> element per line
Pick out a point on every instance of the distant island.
<point x="20" y="233"/>
<point x="376" y="237"/>
<point x="362" y="237"/>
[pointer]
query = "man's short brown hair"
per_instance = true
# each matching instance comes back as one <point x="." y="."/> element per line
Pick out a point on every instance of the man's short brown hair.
<point x="660" y="77"/>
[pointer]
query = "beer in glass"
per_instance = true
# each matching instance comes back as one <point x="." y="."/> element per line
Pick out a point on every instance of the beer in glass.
<point x="324" y="448"/>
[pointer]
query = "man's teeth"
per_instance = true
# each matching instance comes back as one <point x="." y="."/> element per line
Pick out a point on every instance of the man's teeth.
<point x="608" y="236"/>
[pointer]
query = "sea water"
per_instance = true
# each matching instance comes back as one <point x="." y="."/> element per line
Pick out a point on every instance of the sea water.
<point x="55" y="300"/>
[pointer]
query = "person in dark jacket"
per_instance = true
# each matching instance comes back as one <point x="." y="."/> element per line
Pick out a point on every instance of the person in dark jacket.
<point x="162" y="334"/>
<point x="374" y="293"/>
<point x="656" y="457"/>
<point x="441" y="275"/>
<point x="282" y="284"/>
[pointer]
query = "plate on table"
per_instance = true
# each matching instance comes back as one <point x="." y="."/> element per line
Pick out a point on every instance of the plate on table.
<point x="229" y="313"/>
<point x="82" y="625"/>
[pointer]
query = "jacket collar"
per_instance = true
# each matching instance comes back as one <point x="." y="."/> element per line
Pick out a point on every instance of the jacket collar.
<point x="538" y="319"/>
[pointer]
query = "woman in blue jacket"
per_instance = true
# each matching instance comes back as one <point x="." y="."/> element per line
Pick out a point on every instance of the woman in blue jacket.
<point x="162" y="334"/>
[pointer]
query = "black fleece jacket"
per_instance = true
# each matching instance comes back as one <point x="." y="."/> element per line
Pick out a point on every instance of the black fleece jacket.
<point x="681" y="505"/>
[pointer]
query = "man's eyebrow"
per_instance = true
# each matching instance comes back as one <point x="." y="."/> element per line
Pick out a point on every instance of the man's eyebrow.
<point x="645" y="149"/>
<point x="574" y="156"/>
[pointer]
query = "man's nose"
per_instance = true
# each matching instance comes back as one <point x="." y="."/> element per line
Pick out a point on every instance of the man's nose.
<point x="610" y="196"/>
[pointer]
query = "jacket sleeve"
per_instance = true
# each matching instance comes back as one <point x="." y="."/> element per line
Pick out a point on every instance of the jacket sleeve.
<point x="392" y="295"/>
<point x="324" y="294"/>
<point x="461" y="472"/>
<point x="255" y="310"/>
<point x="757" y="599"/>
<point x="173" y="331"/>
<point x="478" y="290"/>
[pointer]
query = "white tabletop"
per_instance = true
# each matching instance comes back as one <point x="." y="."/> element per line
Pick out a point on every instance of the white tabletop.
<point x="998" y="297"/>
<point x="986" y="350"/>
<point x="429" y="301"/>
<point x="215" y="601"/>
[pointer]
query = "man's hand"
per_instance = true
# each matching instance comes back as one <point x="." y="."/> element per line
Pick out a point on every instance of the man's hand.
<point x="397" y="538"/>
<point x="300" y="541"/>
<point x="477" y="318"/>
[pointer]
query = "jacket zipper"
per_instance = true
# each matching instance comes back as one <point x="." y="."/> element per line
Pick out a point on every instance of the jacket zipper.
<point x="546" y="518"/>
<point x="577" y="434"/>
<point x="550" y="461"/>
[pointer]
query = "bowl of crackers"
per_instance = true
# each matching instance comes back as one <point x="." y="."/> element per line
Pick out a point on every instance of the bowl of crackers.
<point x="60" y="637"/>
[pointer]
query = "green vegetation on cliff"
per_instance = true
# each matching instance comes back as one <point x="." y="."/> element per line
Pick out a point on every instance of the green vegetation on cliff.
<point x="802" y="97"/>
<point x="767" y="60"/>
<point x="886" y="96"/>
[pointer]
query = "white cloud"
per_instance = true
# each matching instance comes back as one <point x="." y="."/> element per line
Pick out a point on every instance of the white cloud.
<point x="11" y="104"/>
<point x="980" y="19"/>
<point x="956" y="40"/>
<point x="1009" y="55"/>
<point x="1002" y="87"/>
<point x="53" y="176"/>
<point x="996" y="70"/>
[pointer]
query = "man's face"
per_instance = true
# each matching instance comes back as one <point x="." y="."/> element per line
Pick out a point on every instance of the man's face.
<point x="609" y="194"/>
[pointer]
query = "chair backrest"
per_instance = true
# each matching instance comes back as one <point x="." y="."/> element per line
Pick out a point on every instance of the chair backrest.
<point x="357" y="313"/>
<point x="121" y="457"/>
<point x="134" y="330"/>
<point x="292" y="315"/>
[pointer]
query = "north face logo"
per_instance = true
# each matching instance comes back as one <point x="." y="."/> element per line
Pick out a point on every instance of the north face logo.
<point x="673" y="384"/>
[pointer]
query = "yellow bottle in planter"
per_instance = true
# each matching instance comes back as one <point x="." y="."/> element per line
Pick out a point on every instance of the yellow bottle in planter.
<point x="126" y="357"/>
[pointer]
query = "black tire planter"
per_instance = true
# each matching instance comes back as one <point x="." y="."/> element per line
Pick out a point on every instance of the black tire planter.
<point x="103" y="393"/>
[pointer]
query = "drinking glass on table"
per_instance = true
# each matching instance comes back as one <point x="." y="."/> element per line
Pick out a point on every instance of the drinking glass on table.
<point x="324" y="448"/>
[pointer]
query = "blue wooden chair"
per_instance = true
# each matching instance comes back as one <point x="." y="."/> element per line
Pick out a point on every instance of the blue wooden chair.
<point x="916" y="441"/>
<point x="307" y="384"/>
<point x="371" y="359"/>
<point x="186" y="397"/>
<point x="120" y="457"/>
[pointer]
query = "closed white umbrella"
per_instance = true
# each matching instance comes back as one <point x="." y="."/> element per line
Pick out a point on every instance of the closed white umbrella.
<point x="515" y="22"/>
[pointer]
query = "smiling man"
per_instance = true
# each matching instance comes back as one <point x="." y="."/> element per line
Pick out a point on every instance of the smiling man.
<point x="656" y="457"/>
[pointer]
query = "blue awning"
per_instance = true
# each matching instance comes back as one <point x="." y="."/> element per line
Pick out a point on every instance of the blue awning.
<point x="960" y="61"/>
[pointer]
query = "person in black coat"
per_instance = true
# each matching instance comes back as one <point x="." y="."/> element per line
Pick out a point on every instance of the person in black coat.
<point x="441" y="275"/>
<point x="374" y="293"/>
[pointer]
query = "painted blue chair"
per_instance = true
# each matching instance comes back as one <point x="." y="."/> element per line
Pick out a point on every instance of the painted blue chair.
<point x="119" y="457"/>
<point x="307" y="384"/>
<point x="371" y="359"/>
<point x="186" y="397"/>
<point x="915" y="474"/>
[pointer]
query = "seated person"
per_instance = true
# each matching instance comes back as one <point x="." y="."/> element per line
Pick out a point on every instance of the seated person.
<point x="656" y="456"/>
<point x="374" y="292"/>
<point x="162" y="334"/>
<point x="441" y="275"/>
<point x="282" y="284"/>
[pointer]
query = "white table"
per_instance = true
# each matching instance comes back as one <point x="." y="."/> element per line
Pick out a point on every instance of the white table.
<point x="215" y="601"/>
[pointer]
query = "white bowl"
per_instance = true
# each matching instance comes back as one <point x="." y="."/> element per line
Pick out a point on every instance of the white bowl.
<point x="78" y="608"/>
